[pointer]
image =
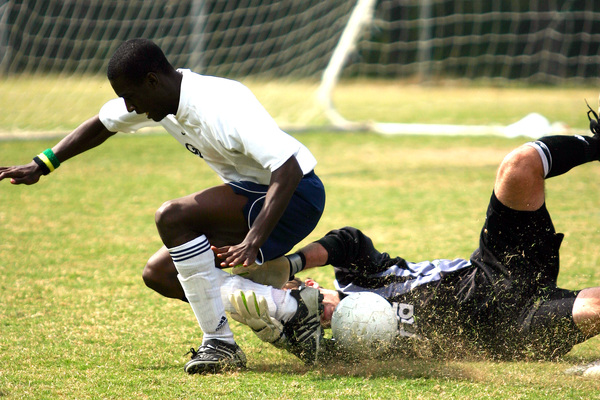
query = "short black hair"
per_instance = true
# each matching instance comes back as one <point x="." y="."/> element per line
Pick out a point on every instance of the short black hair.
<point x="135" y="58"/>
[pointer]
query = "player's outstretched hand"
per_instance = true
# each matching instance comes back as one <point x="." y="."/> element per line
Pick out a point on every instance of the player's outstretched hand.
<point x="253" y="311"/>
<point x="21" y="174"/>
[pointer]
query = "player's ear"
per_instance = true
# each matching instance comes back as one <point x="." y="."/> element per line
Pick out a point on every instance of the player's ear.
<point x="152" y="79"/>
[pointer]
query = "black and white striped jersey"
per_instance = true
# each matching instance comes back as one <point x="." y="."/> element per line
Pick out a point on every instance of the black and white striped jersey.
<point x="398" y="279"/>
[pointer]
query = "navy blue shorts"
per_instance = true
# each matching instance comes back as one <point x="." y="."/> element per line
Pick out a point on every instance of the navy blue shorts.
<point x="298" y="221"/>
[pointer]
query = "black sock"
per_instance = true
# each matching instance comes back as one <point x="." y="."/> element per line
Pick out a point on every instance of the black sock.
<point x="561" y="153"/>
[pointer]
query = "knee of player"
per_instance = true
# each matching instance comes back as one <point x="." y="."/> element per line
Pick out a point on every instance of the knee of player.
<point x="586" y="311"/>
<point x="149" y="275"/>
<point x="524" y="160"/>
<point x="169" y="214"/>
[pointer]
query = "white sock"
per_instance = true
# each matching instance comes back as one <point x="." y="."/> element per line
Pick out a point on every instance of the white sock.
<point x="195" y="263"/>
<point x="287" y="305"/>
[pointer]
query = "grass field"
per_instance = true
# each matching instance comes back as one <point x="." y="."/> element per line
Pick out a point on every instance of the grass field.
<point x="76" y="321"/>
<point x="36" y="104"/>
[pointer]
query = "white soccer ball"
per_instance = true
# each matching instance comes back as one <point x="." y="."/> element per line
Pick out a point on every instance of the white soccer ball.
<point x="364" y="323"/>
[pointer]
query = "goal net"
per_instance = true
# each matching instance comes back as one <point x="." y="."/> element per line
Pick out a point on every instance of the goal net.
<point x="429" y="42"/>
<point x="295" y="55"/>
<point x="55" y="52"/>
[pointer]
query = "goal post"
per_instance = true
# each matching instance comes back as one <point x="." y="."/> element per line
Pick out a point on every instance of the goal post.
<point x="361" y="17"/>
<point x="435" y="41"/>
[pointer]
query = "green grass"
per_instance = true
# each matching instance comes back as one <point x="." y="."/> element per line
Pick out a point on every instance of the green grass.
<point x="59" y="104"/>
<point x="76" y="321"/>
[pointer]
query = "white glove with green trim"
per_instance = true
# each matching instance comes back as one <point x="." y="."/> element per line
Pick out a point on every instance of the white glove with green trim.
<point x="254" y="311"/>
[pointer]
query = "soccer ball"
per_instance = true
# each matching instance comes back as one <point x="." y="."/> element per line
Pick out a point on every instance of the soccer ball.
<point x="364" y="323"/>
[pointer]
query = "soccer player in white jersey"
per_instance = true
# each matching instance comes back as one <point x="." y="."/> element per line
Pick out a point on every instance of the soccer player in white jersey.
<point x="270" y="200"/>
<point x="502" y="302"/>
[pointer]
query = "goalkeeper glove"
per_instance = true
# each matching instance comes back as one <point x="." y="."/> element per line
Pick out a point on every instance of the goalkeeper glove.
<point x="254" y="311"/>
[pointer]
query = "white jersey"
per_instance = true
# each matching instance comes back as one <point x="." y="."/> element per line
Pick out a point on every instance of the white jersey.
<point x="221" y="121"/>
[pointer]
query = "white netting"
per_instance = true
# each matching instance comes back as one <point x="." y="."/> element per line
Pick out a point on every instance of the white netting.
<point x="278" y="48"/>
<point x="229" y="38"/>
<point x="494" y="42"/>
<point x="546" y="41"/>
<point x="281" y="49"/>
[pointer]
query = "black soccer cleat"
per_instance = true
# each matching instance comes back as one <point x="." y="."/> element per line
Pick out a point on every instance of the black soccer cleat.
<point x="303" y="332"/>
<point x="214" y="356"/>
<point x="594" y="123"/>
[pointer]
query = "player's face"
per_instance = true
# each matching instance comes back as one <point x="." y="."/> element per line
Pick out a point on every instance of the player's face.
<point x="143" y="98"/>
<point x="331" y="299"/>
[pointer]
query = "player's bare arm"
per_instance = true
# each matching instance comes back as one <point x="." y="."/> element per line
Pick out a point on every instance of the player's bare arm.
<point x="284" y="181"/>
<point x="88" y="135"/>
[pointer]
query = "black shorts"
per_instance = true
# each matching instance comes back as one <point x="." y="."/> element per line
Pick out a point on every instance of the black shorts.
<point x="460" y="317"/>
<point x="510" y="301"/>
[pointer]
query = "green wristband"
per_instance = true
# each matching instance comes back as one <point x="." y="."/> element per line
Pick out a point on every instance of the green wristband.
<point x="52" y="157"/>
